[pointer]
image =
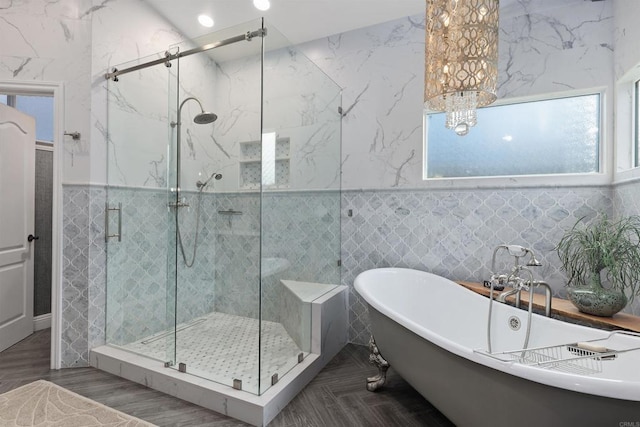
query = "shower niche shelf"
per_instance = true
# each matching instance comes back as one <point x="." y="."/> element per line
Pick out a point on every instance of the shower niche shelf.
<point x="251" y="161"/>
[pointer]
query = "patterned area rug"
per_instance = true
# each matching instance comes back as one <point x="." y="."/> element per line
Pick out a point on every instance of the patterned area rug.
<point x="42" y="403"/>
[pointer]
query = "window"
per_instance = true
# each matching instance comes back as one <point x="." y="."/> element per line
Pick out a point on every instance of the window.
<point x="551" y="136"/>
<point x="39" y="107"/>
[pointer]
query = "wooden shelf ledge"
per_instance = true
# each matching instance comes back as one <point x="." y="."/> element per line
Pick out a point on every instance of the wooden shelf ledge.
<point x="563" y="307"/>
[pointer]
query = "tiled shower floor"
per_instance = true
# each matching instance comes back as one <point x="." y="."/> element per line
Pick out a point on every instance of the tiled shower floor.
<point x="223" y="347"/>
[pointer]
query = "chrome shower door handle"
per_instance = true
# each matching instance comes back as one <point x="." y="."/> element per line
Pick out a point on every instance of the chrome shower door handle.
<point x="107" y="209"/>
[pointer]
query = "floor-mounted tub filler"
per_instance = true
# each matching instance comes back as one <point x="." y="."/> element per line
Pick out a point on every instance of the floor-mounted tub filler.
<point x="433" y="332"/>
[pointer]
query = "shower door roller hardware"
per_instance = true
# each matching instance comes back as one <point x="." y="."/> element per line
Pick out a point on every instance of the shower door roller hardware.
<point x="274" y="379"/>
<point x="107" y="210"/>
<point x="31" y="238"/>
<point x="168" y="364"/>
<point x="237" y="384"/>
<point x="182" y="367"/>
<point x="300" y="357"/>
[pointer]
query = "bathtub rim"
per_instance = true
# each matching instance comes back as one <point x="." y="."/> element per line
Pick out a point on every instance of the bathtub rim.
<point x="605" y="387"/>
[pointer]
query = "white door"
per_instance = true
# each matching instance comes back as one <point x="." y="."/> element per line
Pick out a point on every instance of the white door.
<point x="17" y="167"/>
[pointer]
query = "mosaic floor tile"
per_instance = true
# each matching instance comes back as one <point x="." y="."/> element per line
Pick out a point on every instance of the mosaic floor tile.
<point x="223" y="347"/>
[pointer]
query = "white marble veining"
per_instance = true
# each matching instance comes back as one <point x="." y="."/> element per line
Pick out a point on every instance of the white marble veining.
<point x="626" y="35"/>
<point x="45" y="41"/>
<point x="300" y="103"/>
<point x="561" y="47"/>
<point x="123" y="32"/>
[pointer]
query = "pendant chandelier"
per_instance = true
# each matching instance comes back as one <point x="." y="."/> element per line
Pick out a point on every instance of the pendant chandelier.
<point x="461" y="59"/>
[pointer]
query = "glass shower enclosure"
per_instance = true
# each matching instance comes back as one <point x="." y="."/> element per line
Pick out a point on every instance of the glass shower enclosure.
<point x="223" y="206"/>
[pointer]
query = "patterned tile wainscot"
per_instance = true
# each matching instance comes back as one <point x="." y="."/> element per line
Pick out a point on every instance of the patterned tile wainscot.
<point x="75" y="265"/>
<point x="452" y="233"/>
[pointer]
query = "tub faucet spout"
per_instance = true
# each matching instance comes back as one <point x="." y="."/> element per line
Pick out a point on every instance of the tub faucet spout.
<point x="547" y="296"/>
<point x="503" y="296"/>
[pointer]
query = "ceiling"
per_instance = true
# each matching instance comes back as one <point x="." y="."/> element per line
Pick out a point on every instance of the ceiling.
<point x="303" y="20"/>
<point x="298" y="20"/>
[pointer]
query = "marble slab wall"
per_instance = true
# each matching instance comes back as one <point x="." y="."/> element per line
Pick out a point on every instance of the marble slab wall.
<point x="51" y="42"/>
<point x="626" y="33"/>
<point x="544" y="47"/>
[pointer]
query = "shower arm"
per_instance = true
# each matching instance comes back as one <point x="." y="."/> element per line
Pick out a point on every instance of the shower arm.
<point x="179" y="119"/>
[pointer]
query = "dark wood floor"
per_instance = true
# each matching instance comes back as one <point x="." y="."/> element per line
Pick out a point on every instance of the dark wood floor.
<point x="336" y="397"/>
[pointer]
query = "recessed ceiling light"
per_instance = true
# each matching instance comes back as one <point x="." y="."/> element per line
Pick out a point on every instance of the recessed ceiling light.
<point x="262" y="4"/>
<point x="205" y="20"/>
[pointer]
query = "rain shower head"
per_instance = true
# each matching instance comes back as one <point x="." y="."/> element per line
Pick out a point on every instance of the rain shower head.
<point x="205" y="118"/>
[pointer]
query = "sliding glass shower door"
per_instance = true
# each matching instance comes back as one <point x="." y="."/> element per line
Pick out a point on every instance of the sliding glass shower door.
<point x="218" y="226"/>
<point x="139" y="222"/>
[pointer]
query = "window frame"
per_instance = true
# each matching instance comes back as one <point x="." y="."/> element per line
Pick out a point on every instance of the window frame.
<point x="635" y="144"/>
<point x="601" y="177"/>
<point x="627" y="127"/>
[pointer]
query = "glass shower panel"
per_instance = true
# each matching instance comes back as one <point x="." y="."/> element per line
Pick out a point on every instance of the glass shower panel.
<point x="300" y="175"/>
<point x="137" y="218"/>
<point x="218" y="218"/>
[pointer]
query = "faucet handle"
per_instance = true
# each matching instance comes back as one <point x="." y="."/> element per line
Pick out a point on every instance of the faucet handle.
<point x="496" y="282"/>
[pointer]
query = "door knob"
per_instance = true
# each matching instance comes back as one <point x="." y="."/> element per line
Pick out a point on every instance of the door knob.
<point x="31" y="238"/>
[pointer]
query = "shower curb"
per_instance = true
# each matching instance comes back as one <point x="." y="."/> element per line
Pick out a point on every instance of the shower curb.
<point x="329" y="314"/>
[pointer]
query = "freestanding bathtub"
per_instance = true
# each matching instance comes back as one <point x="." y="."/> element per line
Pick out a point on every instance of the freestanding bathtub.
<point x="433" y="332"/>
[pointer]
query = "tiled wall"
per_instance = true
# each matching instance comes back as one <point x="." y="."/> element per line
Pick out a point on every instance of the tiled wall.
<point x="301" y="227"/>
<point x="75" y="267"/>
<point x="627" y="199"/>
<point x="452" y="233"/>
<point x="97" y="291"/>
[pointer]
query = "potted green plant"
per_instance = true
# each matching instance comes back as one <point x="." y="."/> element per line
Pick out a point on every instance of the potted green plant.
<point x="602" y="249"/>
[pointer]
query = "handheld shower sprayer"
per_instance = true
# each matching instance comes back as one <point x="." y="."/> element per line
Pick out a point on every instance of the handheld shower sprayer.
<point x="201" y="185"/>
